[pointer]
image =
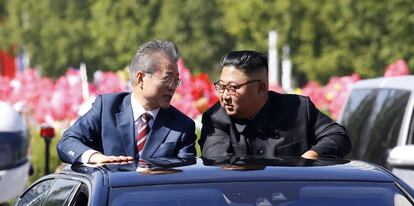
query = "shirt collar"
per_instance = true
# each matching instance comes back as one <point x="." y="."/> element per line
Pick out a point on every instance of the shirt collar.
<point x="138" y="110"/>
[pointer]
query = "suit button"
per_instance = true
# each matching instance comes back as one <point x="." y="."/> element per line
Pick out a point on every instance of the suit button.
<point x="260" y="151"/>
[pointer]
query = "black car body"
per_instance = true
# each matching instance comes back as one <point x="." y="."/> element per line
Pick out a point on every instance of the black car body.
<point x="225" y="181"/>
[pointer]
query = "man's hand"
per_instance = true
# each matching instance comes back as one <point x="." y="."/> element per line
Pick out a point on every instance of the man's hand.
<point x="97" y="158"/>
<point x="310" y="154"/>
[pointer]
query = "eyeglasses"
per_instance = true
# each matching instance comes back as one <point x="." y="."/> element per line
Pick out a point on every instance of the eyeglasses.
<point x="231" y="88"/>
<point x="169" y="81"/>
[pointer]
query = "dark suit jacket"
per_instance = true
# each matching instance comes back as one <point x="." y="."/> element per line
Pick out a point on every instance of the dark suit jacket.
<point x="109" y="128"/>
<point x="286" y="125"/>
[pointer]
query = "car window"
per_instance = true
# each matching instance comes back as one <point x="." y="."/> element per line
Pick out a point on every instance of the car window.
<point x="356" y="112"/>
<point x="411" y="133"/>
<point x="282" y="193"/>
<point x="81" y="197"/>
<point x="61" y="192"/>
<point x="36" y="194"/>
<point x="373" y="119"/>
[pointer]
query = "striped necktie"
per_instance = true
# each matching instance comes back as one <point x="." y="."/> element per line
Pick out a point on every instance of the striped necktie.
<point x="143" y="132"/>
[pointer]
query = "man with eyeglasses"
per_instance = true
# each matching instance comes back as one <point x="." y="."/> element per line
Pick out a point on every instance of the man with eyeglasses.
<point x="121" y="127"/>
<point x="250" y="120"/>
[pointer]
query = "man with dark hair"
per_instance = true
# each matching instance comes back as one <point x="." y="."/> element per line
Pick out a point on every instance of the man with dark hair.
<point x="141" y="124"/>
<point x="250" y="120"/>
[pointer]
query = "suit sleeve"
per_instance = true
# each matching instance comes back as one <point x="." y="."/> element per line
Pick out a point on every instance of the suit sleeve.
<point x="83" y="135"/>
<point x="330" y="138"/>
<point x="214" y="141"/>
<point x="187" y="145"/>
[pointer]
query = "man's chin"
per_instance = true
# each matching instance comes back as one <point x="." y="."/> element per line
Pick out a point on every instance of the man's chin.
<point x="231" y="113"/>
<point x="236" y="114"/>
<point x="165" y="106"/>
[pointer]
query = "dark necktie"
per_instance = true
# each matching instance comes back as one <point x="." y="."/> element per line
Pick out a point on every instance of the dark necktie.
<point x="143" y="132"/>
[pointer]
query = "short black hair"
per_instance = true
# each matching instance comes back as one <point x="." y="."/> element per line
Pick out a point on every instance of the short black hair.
<point x="249" y="61"/>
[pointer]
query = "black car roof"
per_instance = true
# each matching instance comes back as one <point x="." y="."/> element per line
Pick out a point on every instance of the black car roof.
<point x="207" y="171"/>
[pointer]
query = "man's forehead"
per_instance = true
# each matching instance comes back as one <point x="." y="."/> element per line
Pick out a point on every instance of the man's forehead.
<point x="168" y="70"/>
<point x="229" y="71"/>
<point x="232" y="70"/>
<point x="170" y="73"/>
<point x="231" y="74"/>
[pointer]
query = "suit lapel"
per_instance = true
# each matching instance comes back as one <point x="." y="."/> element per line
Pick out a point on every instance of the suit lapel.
<point x="157" y="134"/>
<point x="266" y="120"/>
<point x="125" y="124"/>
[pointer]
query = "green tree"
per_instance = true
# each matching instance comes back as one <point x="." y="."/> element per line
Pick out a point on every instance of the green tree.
<point x="385" y="34"/>
<point x="307" y="26"/>
<point x="327" y="37"/>
<point x="106" y="33"/>
<point x="196" y="26"/>
<point x="117" y="28"/>
<point x="3" y="31"/>
<point x="52" y="31"/>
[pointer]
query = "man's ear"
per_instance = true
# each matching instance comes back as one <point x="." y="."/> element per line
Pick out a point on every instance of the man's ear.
<point x="263" y="88"/>
<point x="139" y="78"/>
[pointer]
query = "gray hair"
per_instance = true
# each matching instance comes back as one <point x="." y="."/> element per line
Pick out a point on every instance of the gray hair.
<point x="147" y="56"/>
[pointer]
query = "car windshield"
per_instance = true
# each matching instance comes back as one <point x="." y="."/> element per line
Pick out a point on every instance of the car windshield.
<point x="13" y="149"/>
<point x="261" y="194"/>
<point x="373" y="119"/>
